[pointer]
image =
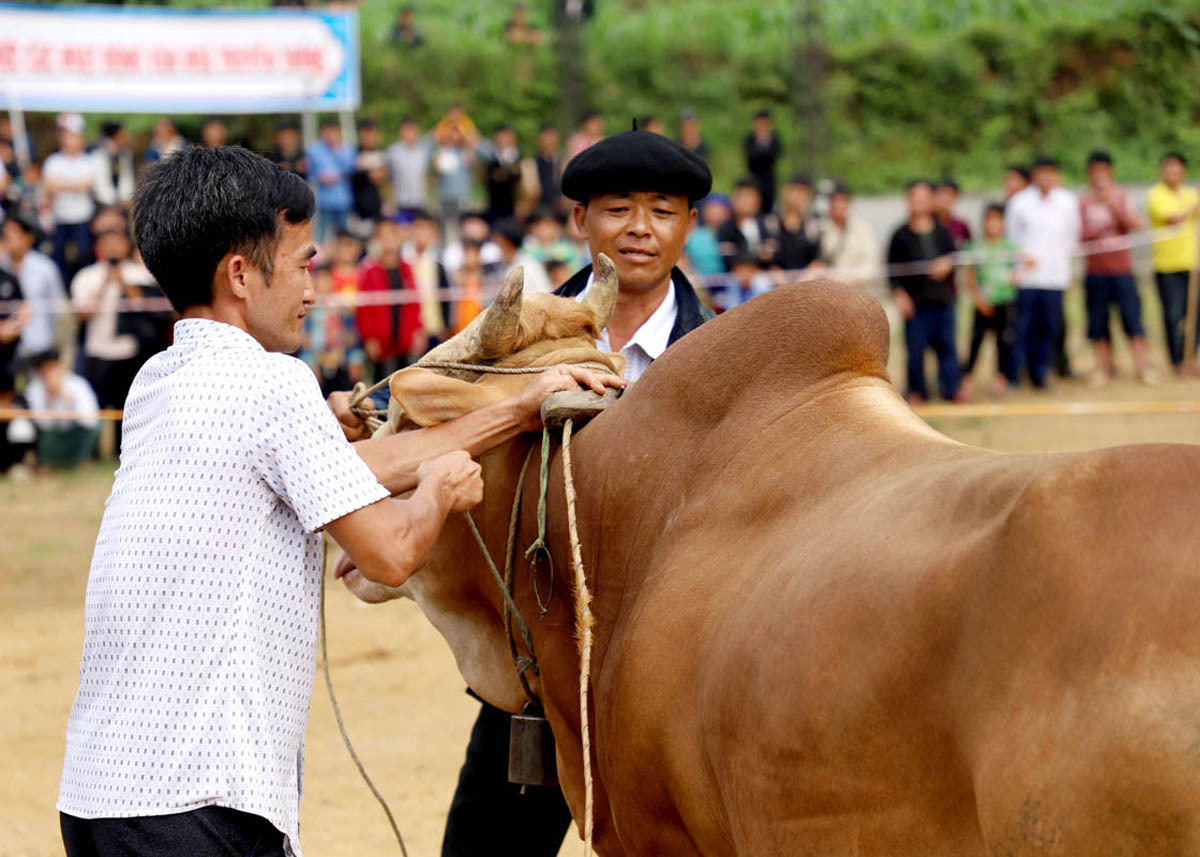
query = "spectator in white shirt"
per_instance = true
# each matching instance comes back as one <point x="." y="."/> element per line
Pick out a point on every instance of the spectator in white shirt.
<point x="232" y="467"/>
<point x="408" y="167"/>
<point x="848" y="245"/>
<point x="69" y="176"/>
<point x="112" y="349"/>
<point x="70" y="422"/>
<point x="41" y="286"/>
<point x="1043" y="221"/>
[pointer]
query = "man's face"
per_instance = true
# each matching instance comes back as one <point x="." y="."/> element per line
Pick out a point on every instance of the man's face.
<point x="112" y="247"/>
<point x="762" y="126"/>
<point x="368" y="137"/>
<point x="1046" y="178"/>
<point x="288" y="139"/>
<point x="839" y="206"/>
<point x="72" y="142"/>
<point x="920" y="200"/>
<point x="425" y="233"/>
<point x="643" y="232"/>
<point x="16" y="240"/>
<point x="1014" y="182"/>
<point x="797" y="197"/>
<point x="332" y="135"/>
<point x="1173" y="172"/>
<point x="944" y="199"/>
<point x="388" y="237"/>
<point x="594" y="126"/>
<point x="410" y="132"/>
<point x="746" y="201"/>
<point x="275" y="308"/>
<point x="346" y="251"/>
<point x="715" y="214"/>
<point x="548" y="141"/>
<point x="545" y="230"/>
<point x="1099" y="175"/>
<point x="213" y="134"/>
<point x="689" y="129"/>
<point x="506" y="138"/>
<point x="475" y="229"/>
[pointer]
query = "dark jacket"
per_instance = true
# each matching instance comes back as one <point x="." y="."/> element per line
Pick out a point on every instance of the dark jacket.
<point x="690" y="313"/>
<point x="908" y="247"/>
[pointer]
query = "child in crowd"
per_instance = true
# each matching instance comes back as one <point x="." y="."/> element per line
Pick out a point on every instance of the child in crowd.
<point x="65" y="442"/>
<point x="991" y="283"/>
<point x="546" y="240"/>
<point x="702" y="249"/>
<point x="330" y="340"/>
<point x="746" y="280"/>
<point x="343" y="268"/>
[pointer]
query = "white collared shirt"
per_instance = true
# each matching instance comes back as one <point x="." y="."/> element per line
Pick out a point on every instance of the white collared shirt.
<point x="200" y="624"/>
<point x="1046" y="228"/>
<point x="649" y="341"/>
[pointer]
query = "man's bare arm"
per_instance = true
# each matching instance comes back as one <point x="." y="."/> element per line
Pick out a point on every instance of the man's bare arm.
<point x="389" y="540"/>
<point x="394" y="459"/>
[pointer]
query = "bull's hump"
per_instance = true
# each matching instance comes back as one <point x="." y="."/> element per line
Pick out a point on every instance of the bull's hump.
<point x="781" y="346"/>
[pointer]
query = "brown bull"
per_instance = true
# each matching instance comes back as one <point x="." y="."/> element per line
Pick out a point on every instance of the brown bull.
<point x="823" y="628"/>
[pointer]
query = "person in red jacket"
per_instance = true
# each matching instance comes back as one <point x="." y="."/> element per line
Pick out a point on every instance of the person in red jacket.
<point x="388" y="329"/>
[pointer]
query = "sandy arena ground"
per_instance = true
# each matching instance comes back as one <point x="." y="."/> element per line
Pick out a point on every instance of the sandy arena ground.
<point x="400" y="692"/>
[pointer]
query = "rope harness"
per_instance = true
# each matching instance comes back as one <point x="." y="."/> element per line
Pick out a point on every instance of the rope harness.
<point x="583" y="598"/>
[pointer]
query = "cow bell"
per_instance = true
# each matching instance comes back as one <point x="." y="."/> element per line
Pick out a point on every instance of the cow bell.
<point x="531" y="749"/>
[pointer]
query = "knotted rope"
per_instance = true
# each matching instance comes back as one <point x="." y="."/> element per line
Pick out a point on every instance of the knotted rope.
<point x="583" y="598"/>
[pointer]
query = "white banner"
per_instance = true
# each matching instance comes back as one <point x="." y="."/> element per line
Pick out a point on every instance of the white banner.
<point x="151" y="60"/>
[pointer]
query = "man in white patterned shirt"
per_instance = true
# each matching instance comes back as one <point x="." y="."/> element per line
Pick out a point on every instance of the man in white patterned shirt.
<point x="186" y="737"/>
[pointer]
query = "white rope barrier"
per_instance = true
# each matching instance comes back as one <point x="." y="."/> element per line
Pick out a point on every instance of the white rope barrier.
<point x="352" y="300"/>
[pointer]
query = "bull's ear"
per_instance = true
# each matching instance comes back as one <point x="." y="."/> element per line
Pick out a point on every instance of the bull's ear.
<point x="430" y="398"/>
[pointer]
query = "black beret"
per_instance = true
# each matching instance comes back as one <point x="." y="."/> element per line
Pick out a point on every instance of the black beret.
<point x="633" y="161"/>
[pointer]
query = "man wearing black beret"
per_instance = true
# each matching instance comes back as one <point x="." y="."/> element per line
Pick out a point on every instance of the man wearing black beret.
<point x="636" y="195"/>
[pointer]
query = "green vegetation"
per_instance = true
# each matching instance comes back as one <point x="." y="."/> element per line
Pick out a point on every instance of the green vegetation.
<point x="919" y="87"/>
<point x="912" y="87"/>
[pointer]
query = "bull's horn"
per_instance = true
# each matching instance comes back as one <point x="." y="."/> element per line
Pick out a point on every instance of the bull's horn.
<point x="497" y="334"/>
<point x="601" y="298"/>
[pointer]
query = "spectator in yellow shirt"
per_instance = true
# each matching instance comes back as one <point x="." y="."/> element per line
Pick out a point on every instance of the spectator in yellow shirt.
<point x="1171" y="203"/>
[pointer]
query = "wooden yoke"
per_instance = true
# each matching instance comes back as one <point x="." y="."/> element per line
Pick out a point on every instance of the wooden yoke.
<point x="576" y="405"/>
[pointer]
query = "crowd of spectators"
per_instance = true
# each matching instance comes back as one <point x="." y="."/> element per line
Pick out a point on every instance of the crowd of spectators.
<point x="416" y="224"/>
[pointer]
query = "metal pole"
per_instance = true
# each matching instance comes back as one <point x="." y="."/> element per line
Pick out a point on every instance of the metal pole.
<point x="20" y="137"/>
<point x="349" y="130"/>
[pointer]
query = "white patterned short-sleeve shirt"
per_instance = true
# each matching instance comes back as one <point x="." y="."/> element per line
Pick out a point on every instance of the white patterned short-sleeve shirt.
<point x="200" y="628"/>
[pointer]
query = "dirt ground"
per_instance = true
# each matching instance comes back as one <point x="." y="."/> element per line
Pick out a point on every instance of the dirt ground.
<point x="401" y="695"/>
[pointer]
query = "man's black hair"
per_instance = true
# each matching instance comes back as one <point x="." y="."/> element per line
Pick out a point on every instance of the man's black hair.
<point x="803" y="179"/>
<point x="545" y="212"/>
<point x="1021" y="170"/>
<point x="950" y="183"/>
<point x="763" y="114"/>
<point x="1045" y="161"/>
<point x="24" y="224"/>
<point x="367" y="122"/>
<point x="420" y="214"/>
<point x="510" y="229"/>
<point x="1099" y="156"/>
<point x="503" y="126"/>
<point x="994" y="208"/>
<point x="330" y="122"/>
<point x="193" y="207"/>
<point x="744" y="257"/>
<point x="840" y="189"/>
<point x="110" y="129"/>
<point x="747" y="181"/>
<point x="287" y="125"/>
<point x="1174" y="156"/>
<point x="914" y="182"/>
<point x="41" y="358"/>
<point x="547" y="126"/>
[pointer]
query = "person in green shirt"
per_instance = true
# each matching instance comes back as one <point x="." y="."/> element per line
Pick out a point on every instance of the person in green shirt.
<point x="991" y="283"/>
